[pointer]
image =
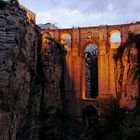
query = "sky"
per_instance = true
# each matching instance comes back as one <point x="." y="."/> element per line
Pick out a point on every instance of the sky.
<point x="82" y="13"/>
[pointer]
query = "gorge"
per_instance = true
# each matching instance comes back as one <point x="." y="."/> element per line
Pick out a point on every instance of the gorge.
<point x="44" y="93"/>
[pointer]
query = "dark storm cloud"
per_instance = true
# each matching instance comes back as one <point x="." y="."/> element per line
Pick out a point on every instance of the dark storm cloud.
<point x="67" y="13"/>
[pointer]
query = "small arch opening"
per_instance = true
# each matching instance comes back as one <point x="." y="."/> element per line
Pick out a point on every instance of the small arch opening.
<point x="66" y="40"/>
<point x="91" y="71"/>
<point x="115" y="38"/>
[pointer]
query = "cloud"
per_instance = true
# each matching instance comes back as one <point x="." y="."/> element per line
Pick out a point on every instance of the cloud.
<point x="84" y="12"/>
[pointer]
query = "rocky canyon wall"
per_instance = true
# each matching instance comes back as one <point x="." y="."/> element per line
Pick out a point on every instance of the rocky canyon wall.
<point x="31" y="67"/>
<point x="53" y="61"/>
<point x="20" y="84"/>
<point x="127" y="72"/>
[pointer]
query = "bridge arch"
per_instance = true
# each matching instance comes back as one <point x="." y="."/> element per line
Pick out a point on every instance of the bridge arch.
<point x="66" y="40"/>
<point x="89" y="116"/>
<point x="115" y="38"/>
<point x="90" y="71"/>
<point x="88" y="43"/>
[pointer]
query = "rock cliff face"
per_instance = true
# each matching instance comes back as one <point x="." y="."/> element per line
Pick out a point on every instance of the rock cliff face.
<point x="128" y="72"/>
<point x="53" y="59"/>
<point x="20" y="86"/>
<point x="30" y="76"/>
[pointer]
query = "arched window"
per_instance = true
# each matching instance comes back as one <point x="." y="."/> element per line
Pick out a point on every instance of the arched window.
<point x="66" y="40"/>
<point x="91" y="65"/>
<point x="115" y="39"/>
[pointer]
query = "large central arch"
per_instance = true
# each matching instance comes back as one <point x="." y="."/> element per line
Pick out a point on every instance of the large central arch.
<point x="90" y="86"/>
<point x="91" y="71"/>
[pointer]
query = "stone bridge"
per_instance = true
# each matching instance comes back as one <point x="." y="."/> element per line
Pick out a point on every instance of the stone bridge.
<point x="107" y="39"/>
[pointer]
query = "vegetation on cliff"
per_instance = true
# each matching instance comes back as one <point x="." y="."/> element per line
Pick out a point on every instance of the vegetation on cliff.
<point x="127" y="71"/>
<point x="132" y="39"/>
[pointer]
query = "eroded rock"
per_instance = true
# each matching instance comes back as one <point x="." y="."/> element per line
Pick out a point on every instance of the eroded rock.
<point x="20" y="94"/>
<point x="128" y="73"/>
